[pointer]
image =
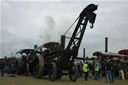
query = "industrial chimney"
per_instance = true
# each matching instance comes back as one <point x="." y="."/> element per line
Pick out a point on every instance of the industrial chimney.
<point x="106" y="44"/>
<point x="83" y="54"/>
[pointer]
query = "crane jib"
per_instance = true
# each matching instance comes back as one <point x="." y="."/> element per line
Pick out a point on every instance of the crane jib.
<point x="87" y="15"/>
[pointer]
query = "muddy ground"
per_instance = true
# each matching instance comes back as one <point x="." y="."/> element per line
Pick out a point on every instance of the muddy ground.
<point x="22" y="80"/>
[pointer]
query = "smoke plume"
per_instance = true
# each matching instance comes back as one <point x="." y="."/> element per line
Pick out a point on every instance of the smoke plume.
<point x="47" y="32"/>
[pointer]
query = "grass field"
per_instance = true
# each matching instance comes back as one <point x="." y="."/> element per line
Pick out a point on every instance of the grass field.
<point x="22" y="80"/>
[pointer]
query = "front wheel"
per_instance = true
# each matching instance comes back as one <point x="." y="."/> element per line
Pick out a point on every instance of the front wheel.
<point x="20" y="68"/>
<point x="73" y="73"/>
<point x="52" y="71"/>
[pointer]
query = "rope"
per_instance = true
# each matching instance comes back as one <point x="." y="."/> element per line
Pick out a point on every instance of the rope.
<point x="71" y="25"/>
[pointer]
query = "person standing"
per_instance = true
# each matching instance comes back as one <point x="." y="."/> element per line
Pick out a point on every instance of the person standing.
<point x="90" y="69"/>
<point x="2" y="67"/>
<point x="85" y="70"/>
<point x="96" y="71"/>
<point x="121" y="71"/>
<point x="100" y="70"/>
<point x="108" y="67"/>
<point x="80" y="70"/>
<point x="113" y="70"/>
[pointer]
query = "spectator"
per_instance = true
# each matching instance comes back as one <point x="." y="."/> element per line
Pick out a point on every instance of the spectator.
<point x="80" y="70"/>
<point x="2" y="67"/>
<point x="100" y="71"/>
<point x="96" y="71"/>
<point x="113" y="70"/>
<point x="90" y="65"/>
<point x="121" y="72"/>
<point x="108" y="71"/>
<point x="85" y="70"/>
<point x="12" y="69"/>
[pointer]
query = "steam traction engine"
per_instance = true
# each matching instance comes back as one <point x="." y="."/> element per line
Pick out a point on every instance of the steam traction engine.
<point x="25" y="64"/>
<point x="60" y="61"/>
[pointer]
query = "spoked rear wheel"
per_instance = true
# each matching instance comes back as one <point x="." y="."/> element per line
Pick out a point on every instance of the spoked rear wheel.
<point x="39" y="65"/>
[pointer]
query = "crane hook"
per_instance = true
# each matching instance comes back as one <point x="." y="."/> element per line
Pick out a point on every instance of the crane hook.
<point x="91" y="26"/>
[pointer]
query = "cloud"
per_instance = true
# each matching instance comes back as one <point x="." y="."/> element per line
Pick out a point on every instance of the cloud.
<point x="25" y="23"/>
<point x="12" y="43"/>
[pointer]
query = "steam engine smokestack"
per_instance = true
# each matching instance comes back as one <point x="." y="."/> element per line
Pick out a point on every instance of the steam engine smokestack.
<point x="63" y="42"/>
<point x="106" y="44"/>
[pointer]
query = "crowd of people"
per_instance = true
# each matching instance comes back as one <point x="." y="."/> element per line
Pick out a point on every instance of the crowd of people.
<point x="2" y="68"/>
<point x="8" y="67"/>
<point x="110" y="69"/>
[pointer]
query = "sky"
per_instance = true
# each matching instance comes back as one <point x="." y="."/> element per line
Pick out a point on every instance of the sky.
<point x="28" y="22"/>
